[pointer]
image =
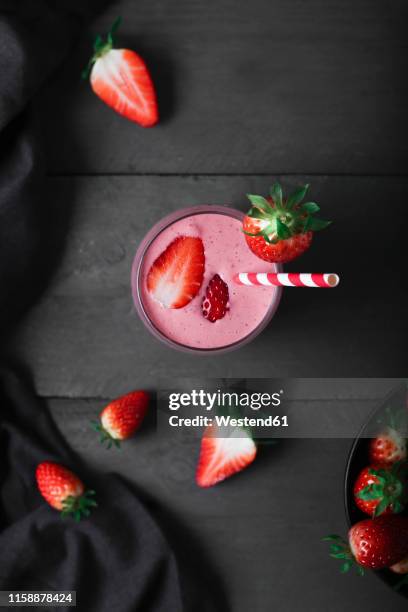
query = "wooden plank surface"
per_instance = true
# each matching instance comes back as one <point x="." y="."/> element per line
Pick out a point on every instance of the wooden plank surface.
<point x="260" y="87"/>
<point x="85" y="339"/>
<point x="253" y="542"/>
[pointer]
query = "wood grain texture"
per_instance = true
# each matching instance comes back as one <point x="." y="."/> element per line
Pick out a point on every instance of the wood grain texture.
<point x="85" y="339"/>
<point x="259" y="532"/>
<point x="259" y="87"/>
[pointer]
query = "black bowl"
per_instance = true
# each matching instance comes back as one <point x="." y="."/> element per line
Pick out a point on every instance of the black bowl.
<point x="358" y="459"/>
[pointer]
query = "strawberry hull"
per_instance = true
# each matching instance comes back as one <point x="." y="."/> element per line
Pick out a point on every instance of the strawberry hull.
<point x="248" y="311"/>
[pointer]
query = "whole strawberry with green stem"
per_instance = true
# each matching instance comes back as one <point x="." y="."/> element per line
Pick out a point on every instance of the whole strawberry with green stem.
<point x="279" y="229"/>
<point x="378" y="490"/>
<point x="376" y="543"/>
<point x="63" y="490"/>
<point x="122" y="417"/>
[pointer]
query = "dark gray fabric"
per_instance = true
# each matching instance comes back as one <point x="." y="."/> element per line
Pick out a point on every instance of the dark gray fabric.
<point x="118" y="560"/>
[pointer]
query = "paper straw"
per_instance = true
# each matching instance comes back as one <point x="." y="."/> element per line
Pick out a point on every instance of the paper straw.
<point x="284" y="279"/>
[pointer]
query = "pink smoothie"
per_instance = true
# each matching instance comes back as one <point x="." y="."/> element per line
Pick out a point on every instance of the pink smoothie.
<point x="226" y="253"/>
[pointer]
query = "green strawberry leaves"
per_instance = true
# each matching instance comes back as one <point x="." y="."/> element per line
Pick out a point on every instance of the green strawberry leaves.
<point x="260" y="203"/>
<point x="389" y="489"/>
<point x="310" y="207"/>
<point x="339" y="549"/>
<point x="282" y="230"/>
<point x="115" y="25"/>
<point x="105" y="437"/>
<point x="283" y="218"/>
<point x="297" y="196"/>
<point x="315" y="225"/>
<point x="276" y="194"/>
<point x="78" y="507"/>
<point x="101" y="47"/>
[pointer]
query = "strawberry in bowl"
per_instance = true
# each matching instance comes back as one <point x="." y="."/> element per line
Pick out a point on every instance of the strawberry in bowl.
<point x="279" y="229"/>
<point x="388" y="447"/>
<point x="380" y="490"/>
<point x="376" y="479"/>
<point x="378" y="543"/>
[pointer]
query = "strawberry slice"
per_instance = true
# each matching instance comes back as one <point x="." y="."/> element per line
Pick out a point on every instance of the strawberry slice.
<point x="216" y="301"/>
<point x="121" y="79"/>
<point x="221" y="457"/>
<point x="176" y="276"/>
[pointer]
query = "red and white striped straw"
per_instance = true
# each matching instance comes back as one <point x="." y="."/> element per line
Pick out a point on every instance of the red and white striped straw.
<point x="286" y="279"/>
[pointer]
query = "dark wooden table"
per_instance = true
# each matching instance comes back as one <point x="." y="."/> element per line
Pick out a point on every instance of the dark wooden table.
<point x="249" y="93"/>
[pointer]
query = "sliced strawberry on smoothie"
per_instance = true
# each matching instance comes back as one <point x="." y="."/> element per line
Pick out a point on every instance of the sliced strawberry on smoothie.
<point x="224" y="452"/>
<point x="215" y="303"/>
<point x="121" y="79"/>
<point x="176" y="276"/>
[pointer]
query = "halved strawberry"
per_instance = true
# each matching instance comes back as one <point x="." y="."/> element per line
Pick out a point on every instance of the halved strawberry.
<point x="388" y="447"/>
<point x="176" y="276"/>
<point x="216" y="300"/>
<point x="279" y="230"/>
<point x="224" y="452"/>
<point x="121" y="79"/>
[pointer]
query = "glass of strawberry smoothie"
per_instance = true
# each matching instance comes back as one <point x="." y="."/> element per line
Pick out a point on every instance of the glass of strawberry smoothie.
<point x="182" y="282"/>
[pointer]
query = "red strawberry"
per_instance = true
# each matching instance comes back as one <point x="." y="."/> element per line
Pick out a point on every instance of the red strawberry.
<point x="378" y="490"/>
<point x="216" y="301"/>
<point x="279" y="230"/>
<point x="63" y="490"/>
<point x="388" y="448"/>
<point x="374" y="543"/>
<point x="177" y="274"/>
<point x="380" y="542"/>
<point x="122" y="417"/>
<point x="121" y="79"/>
<point x="221" y="457"/>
